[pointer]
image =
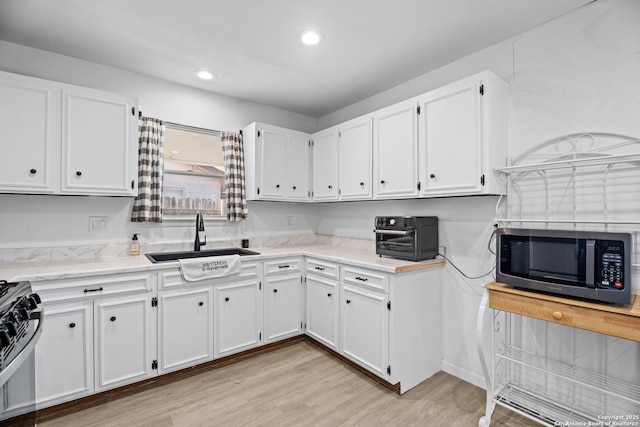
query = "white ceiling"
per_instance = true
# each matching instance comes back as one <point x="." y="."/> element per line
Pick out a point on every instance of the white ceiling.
<point x="369" y="45"/>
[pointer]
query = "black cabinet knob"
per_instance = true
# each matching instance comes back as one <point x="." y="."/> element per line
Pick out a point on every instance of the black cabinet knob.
<point x="72" y="325"/>
<point x="432" y="176"/>
<point x="330" y="187"/>
<point x="294" y="187"/>
<point x="382" y="181"/>
<point x="275" y="291"/>
<point x="348" y="301"/>
<point x="33" y="171"/>
<point x="329" y="294"/>
<point x="277" y="185"/>
<point x="113" y="318"/>
<point x="226" y="299"/>
<point x="200" y="303"/>
<point x="362" y="184"/>
<point x="78" y="173"/>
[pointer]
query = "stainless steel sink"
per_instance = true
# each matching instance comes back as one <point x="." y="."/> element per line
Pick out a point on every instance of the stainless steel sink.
<point x="174" y="256"/>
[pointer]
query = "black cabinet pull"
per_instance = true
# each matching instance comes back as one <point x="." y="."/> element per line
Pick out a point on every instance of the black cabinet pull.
<point x="330" y="187"/>
<point x="432" y="176"/>
<point x="132" y="184"/>
<point x="362" y="184"/>
<point x="277" y="185"/>
<point x="275" y="291"/>
<point x="362" y="279"/>
<point x="348" y="301"/>
<point x="113" y="318"/>
<point x="72" y="325"/>
<point x="200" y="303"/>
<point x="294" y="187"/>
<point x="93" y="290"/>
<point x="382" y="181"/>
<point x="33" y="171"/>
<point x="329" y="294"/>
<point x="78" y="173"/>
<point x="283" y="266"/>
<point x="226" y="299"/>
<point x="319" y="268"/>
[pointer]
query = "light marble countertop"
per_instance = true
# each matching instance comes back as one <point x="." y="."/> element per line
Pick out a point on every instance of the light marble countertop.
<point x="61" y="269"/>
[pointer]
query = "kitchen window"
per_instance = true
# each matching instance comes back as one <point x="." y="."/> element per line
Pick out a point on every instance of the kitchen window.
<point x="193" y="173"/>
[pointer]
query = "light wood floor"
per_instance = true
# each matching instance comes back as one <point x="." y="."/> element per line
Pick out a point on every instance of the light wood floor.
<point x="296" y="385"/>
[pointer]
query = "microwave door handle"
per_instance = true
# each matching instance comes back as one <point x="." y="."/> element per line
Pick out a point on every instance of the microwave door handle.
<point x="590" y="263"/>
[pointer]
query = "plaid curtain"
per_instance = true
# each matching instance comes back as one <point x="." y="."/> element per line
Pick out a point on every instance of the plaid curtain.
<point x="234" y="176"/>
<point x="148" y="204"/>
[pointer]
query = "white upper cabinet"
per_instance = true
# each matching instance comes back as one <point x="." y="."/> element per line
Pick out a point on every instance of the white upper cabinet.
<point x="29" y="134"/>
<point x="325" y="165"/>
<point x="277" y="163"/>
<point x="355" y="159"/>
<point x="99" y="143"/>
<point x="395" y="155"/>
<point x="462" y="136"/>
<point x="64" y="139"/>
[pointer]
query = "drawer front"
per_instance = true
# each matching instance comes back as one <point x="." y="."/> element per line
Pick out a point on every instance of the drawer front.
<point x="604" y="322"/>
<point x="367" y="278"/>
<point x="283" y="265"/>
<point x="171" y="279"/>
<point x="93" y="287"/>
<point x="323" y="268"/>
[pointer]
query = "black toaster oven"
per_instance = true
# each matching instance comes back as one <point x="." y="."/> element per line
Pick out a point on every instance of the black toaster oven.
<point x="412" y="238"/>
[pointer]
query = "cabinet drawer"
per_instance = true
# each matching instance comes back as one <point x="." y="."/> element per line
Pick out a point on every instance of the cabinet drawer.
<point x="92" y="287"/>
<point x="282" y="265"/>
<point x="173" y="278"/>
<point x="368" y="278"/>
<point x="323" y="268"/>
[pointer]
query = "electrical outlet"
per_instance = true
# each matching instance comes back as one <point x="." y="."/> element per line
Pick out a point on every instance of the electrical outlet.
<point x="97" y="223"/>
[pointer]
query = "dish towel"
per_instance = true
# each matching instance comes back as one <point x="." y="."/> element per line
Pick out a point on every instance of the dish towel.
<point x="195" y="269"/>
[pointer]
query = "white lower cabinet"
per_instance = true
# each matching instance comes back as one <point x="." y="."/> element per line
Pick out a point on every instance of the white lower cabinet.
<point x="365" y="328"/>
<point x="238" y="310"/>
<point x="64" y="353"/>
<point x="185" y="323"/>
<point x="283" y="318"/>
<point x="124" y="331"/>
<point x="323" y="310"/>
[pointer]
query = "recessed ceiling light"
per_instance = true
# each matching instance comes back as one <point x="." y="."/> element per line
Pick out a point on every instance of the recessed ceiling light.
<point x="205" y="75"/>
<point x="310" y="37"/>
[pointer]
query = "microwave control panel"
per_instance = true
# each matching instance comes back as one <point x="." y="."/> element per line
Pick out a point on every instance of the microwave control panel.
<point x="611" y="264"/>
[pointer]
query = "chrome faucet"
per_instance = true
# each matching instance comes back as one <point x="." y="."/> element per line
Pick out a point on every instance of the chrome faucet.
<point x="199" y="228"/>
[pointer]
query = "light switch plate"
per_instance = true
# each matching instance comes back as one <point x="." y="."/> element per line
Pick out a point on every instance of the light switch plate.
<point x="97" y="223"/>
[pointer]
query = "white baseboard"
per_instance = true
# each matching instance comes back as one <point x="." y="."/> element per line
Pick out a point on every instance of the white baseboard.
<point x="464" y="374"/>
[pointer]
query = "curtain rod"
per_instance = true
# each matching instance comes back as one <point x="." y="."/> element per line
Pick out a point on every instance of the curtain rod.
<point x="193" y="128"/>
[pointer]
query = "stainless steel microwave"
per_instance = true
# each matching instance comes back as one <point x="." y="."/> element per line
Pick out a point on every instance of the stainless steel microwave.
<point x="582" y="264"/>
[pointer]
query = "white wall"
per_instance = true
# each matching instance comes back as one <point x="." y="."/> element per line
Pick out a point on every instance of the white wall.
<point x="579" y="72"/>
<point x="28" y="221"/>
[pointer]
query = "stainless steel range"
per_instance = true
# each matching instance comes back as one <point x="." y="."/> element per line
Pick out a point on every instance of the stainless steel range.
<point x="20" y="328"/>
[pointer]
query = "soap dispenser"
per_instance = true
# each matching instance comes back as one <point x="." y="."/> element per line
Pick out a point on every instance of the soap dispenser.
<point x="135" y="246"/>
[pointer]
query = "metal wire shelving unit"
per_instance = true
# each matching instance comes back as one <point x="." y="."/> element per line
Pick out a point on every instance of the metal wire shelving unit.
<point x="580" y="181"/>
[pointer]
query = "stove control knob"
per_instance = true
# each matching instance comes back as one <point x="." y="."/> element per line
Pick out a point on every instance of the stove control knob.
<point x="31" y="303"/>
<point x="10" y="327"/>
<point x="36" y="298"/>
<point x="5" y="339"/>
<point x="12" y="317"/>
<point x="23" y="313"/>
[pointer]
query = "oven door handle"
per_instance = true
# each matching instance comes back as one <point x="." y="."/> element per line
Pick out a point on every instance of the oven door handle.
<point x="395" y="232"/>
<point x="17" y="361"/>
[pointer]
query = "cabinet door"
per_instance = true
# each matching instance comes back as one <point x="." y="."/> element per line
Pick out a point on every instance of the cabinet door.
<point x="185" y="328"/>
<point x="64" y="354"/>
<point x="355" y="159"/>
<point x="325" y="165"/>
<point x="99" y="143"/>
<point x="237" y="314"/>
<point x="297" y="166"/>
<point x="29" y="135"/>
<point x="283" y="300"/>
<point x="322" y="310"/>
<point x="451" y="139"/>
<point x="272" y="145"/>
<point x="365" y="326"/>
<point x="395" y="137"/>
<point x="123" y="344"/>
